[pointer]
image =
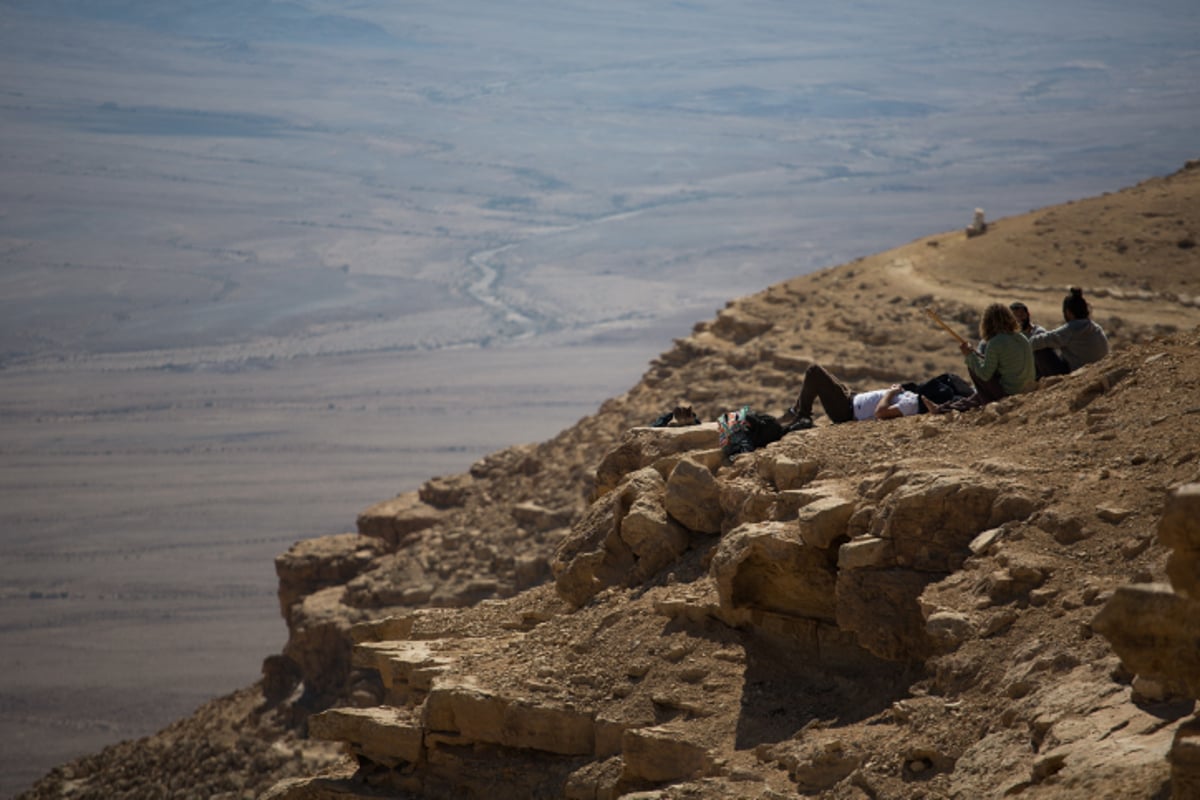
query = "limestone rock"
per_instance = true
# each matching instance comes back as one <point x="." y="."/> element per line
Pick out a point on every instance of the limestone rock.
<point x="663" y="753"/>
<point x="949" y="629"/>
<point x="539" y="518"/>
<point x="1156" y="632"/>
<point x="932" y="518"/>
<point x="789" y="473"/>
<point x="406" y="668"/>
<point x="386" y="735"/>
<point x="446" y="492"/>
<point x="654" y="538"/>
<point x="738" y="326"/>
<point x="315" y="564"/>
<point x="395" y="579"/>
<point x="817" y="766"/>
<point x="385" y="629"/>
<point x="984" y="542"/>
<point x="595" y="780"/>
<point x="642" y="447"/>
<point x="865" y="552"/>
<point x="880" y="607"/>
<point x="694" y="498"/>
<point x="592" y="556"/>
<point x="824" y="521"/>
<point x="319" y="641"/>
<point x="1065" y="528"/>
<point x="623" y="539"/>
<point x="518" y="460"/>
<point x="1082" y="732"/>
<point x="1098" y="386"/>
<point x="1179" y="529"/>
<point x="765" y="566"/>
<point x="396" y="520"/>
<point x="476" y="714"/>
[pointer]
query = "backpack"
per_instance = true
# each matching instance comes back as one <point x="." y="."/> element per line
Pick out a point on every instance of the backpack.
<point x="745" y="430"/>
<point x="941" y="388"/>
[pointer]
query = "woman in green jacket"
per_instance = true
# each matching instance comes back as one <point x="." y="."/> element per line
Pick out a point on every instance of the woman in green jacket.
<point x="1006" y="366"/>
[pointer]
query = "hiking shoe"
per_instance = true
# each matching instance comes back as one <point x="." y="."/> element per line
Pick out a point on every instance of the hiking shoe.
<point x="800" y="424"/>
<point x="788" y="417"/>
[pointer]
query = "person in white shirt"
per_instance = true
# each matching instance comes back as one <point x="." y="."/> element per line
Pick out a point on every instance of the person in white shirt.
<point x="843" y="405"/>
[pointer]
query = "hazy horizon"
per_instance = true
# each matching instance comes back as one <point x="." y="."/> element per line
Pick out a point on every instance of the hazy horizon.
<point x="263" y="263"/>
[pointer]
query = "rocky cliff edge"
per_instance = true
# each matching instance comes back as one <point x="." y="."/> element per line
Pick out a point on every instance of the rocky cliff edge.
<point x="991" y="604"/>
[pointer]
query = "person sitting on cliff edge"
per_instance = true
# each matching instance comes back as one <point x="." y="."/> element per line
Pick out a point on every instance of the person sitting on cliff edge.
<point x="1077" y="342"/>
<point x="1004" y="368"/>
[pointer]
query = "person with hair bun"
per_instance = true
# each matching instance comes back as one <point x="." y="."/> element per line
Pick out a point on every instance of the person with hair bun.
<point x="1077" y="342"/>
<point x="1006" y="365"/>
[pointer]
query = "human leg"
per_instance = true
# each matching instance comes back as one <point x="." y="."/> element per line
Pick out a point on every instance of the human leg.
<point x="988" y="391"/>
<point x="835" y="396"/>
<point x="1048" y="362"/>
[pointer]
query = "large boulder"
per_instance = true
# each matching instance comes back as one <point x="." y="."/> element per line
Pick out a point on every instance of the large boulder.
<point x="1180" y="530"/>
<point x="767" y="567"/>
<point x="1155" y="628"/>
<point x="932" y="517"/>
<point x="446" y="491"/>
<point x="624" y="539"/>
<point x="655" y="539"/>
<point x="314" y="564"/>
<point x="319" y="643"/>
<point x="643" y="447"/>
<point x="384" y="735"/>
<point x="662" y="754"/>
<point x="1156" y="632"/>
<point x="592" y="556"/>
<point x="395" y="521"/>
<point x="693" y="497"/>
<point x="921" y="530"/>
<point x="823" y="521"/>
<point x="469" y="711"/>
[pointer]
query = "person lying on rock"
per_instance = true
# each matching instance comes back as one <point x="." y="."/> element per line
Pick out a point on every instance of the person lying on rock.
<point x="1004" y="368"/>
<point x="1077" y="342"/>
<point x="843" y="405"/>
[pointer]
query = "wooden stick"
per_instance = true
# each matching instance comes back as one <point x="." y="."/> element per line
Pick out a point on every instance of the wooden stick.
<point x="933" y="315"/>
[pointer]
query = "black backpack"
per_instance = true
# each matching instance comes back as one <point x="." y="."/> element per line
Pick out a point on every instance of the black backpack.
<point x="941" y="388"/>
<point x="745" y="430"/>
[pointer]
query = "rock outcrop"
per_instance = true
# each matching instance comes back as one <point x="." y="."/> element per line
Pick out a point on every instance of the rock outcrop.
<point x="915" y="568"/>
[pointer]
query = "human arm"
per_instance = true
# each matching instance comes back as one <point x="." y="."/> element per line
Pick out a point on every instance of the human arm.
<point x="1057" y="338"/>
<point x="886" y="408"/>
<point x="984" y="366"/>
